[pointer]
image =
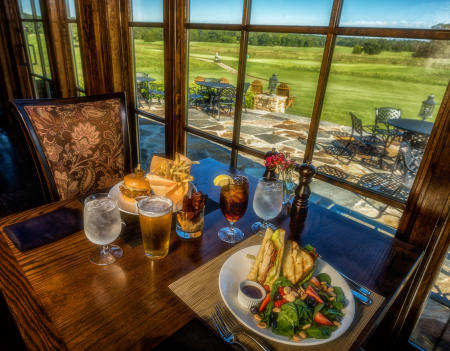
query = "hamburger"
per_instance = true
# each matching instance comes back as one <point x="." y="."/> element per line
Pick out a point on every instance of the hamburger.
<point x="298" y="264"/>
<point x="267" y="266"/>
<point x="134" y="185"/>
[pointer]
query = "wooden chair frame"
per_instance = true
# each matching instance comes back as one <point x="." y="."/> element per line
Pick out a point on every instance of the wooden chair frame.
<point x="48" y="184"/>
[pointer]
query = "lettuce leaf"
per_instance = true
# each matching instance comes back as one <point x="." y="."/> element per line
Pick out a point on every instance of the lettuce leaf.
<point x="320" y="332"/>
<point x="287" y="320"/>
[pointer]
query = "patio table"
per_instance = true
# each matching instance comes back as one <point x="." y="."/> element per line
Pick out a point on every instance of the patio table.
<point x="412" y="125"/>
<point x="214" y="89"/>
<point x="62" y="301"/>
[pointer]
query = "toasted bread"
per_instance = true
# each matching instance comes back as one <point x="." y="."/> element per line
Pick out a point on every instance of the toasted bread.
<point x="297" y="263"/>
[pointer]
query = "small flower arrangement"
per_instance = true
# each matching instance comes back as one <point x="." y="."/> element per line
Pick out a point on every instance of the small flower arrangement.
<point x="282" y="164"/>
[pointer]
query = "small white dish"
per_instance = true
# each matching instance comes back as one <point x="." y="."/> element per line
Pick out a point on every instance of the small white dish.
<point x="248" y="292"/>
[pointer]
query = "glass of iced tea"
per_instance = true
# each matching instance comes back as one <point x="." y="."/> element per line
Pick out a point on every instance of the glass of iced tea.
<point x="233" y="204"/>
<point x="155" y="219"/>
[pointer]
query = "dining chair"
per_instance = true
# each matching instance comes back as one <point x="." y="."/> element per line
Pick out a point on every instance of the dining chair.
<point x="79" y="145"/>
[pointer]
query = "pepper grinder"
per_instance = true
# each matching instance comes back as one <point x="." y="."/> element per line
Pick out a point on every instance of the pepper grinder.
<point x="300" y="205"/>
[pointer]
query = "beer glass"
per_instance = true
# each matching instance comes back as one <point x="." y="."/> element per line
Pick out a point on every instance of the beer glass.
<point x="102" y="225"/>
<point x="267" y="203"/>
<point x="155" y="218"/>
<point x="233" y="204"/>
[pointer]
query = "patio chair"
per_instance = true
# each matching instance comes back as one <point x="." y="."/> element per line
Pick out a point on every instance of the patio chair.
<point x="382" y="128"/>
<point x="156" y="91"/>
<point x="79" y="145"/>
<point x="368" y="144"/>
<point x="226" y="100"/>
<point x="142" y="90"/>
<point x="332" y="171"/>
<point x="194" y="98"/>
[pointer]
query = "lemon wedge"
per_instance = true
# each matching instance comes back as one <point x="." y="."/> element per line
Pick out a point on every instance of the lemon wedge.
<point x="222" y="180"/>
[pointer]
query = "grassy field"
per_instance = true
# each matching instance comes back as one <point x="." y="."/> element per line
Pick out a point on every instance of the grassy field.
<point x="357" y="83"/>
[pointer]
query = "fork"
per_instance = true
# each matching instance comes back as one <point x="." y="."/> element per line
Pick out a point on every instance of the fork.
<point x="235" y="327"/>
<point x="224" y="332"/>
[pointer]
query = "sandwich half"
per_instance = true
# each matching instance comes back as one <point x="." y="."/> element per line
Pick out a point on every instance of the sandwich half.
<point x="267" y="266"/>
<point x="297" y="264"/>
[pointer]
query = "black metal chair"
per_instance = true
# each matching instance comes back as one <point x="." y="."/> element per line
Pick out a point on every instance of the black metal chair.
<point x="156" y="91"/>
<point x="226" y="100"/>
<point x="332" y="171"/>
<point x="382" y="128"/>
<point x="142" y="94"/>
<point x="194" y="98"/>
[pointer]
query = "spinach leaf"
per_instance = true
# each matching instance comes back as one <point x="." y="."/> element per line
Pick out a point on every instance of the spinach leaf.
<point x="287" y="320"/>
<point x="281" y="281"/>
<point x="305" y="315"/>
<point x="322" y="332"/>
<point x="318" y="308"/>
<point x="332" y="313"/>
<point x="324" y="277"/>
<point x="307" y="278"/>
<point x="266" y="314"/>
<point x="340" y="298"/>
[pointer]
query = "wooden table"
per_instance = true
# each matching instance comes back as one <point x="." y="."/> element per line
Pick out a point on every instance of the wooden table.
<point x="62" y="301"/>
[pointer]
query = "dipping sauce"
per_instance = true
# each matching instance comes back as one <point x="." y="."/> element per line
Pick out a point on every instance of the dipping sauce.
<point x="252" y="291"/>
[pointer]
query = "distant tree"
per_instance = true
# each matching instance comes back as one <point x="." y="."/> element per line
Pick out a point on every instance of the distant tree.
<point x="357" y="49"/>
<point x="433" y="49"/>
<point x="372" y="47"/>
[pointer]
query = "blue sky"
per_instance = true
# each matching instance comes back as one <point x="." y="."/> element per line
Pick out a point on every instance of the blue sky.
<point x="355" y="13"/>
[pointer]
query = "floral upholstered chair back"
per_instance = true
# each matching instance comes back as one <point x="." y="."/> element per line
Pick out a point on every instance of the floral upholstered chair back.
<point x="82" y="143"/>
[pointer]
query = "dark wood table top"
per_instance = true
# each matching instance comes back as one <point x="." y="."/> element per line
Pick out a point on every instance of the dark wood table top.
<point x="412" y="125"/>
<point x="62" y="301"/>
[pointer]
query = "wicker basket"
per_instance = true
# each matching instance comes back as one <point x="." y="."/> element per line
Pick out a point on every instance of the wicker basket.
<point x="283" y="89"/>
<point x="257" y="87"/>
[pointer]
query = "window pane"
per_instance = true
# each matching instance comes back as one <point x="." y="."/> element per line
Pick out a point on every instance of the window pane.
<point x="48" y="73"/>
<point x="281" y="80"/>
<point x="40" y="88"/>
<point x="26" y="10"/>
<point x="149" y="68"/>
<point x="395" y="14"/>
<point x="32" y="48"/>
<point x="200" y="148"/>
<point x="380" y="105"/>
<point x="288" y="12"/>
<point x="213" y="64"/>
<point x="70" y="6"/>
<point x="151" y="140"/>
<point x="206" y="11"/>
<point x="37" y="5"/>
<point x="74" y="40"/>
<point x="147" y="11"/>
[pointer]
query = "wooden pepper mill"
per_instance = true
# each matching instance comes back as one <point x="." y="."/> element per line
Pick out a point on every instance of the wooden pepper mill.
<point x="300" y="205"/>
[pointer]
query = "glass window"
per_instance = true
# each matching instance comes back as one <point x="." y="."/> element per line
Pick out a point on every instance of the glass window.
<point x="70" y="6"/>
<point x="75" y="43"/>
<point x="26" y="11"/>
<point x="149" y="69"/>
<point x="380" y="105"/>
<point x="395" y="14"/>
<point x="147" y="10"/>
<point x="206" y="11"/>
<point x="44" y="50"/>
<point x="212" y="77"/>
<point x="280" y="85"/>
<point x="32" y="48"/>
<point x="151" y="140"/>
<point x="37" y="6"/>
<point x="199" y="148"/>
<point x="291" y="12"/>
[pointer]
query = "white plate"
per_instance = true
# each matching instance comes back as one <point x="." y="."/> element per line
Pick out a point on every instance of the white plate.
<point x="130" y="208"/>
<point x="235" y="270"/>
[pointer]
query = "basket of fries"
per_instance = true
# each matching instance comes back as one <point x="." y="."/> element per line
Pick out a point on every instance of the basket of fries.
<point x="171" y="178"/>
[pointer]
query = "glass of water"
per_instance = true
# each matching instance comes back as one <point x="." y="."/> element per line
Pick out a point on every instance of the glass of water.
<point x="102" y="225"/>
<point x="267" y="202"/>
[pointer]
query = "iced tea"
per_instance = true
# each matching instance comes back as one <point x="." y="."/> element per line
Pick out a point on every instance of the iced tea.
<point x="234" y="199"/>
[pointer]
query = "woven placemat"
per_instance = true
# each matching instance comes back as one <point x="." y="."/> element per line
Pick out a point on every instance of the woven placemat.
<point x="198" y="291"/>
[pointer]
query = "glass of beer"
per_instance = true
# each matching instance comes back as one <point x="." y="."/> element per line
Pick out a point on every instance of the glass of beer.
<point x="155" y="218"/>
<point x="233" y="204"/>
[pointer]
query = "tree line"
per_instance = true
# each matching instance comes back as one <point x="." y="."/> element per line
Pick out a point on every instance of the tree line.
<point x="360" y="45"/>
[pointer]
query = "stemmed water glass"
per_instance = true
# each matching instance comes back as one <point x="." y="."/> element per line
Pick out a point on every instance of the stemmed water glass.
<point x="267" y="202"/>
<point x="102" y="225"/>
<point x="233" y="204"/>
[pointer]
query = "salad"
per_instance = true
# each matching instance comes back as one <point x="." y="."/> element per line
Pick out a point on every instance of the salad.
<point x="313" y="308"/>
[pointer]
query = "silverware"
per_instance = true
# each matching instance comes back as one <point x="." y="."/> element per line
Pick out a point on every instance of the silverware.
<point x="234" y="326"/>
<point x="364" y="299"/>
<point x="357" y="286"/>
<point x="224" y="332"/>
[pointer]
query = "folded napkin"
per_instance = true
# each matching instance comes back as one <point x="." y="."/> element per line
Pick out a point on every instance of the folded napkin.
<point x="44" y="229"/>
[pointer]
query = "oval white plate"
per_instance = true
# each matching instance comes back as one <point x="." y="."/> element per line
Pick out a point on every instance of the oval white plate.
<point x="235" y="270"/>
<point x="130" y="208"/>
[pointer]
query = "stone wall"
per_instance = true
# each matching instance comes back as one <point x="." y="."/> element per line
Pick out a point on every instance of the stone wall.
<point x="272" y="103"/>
